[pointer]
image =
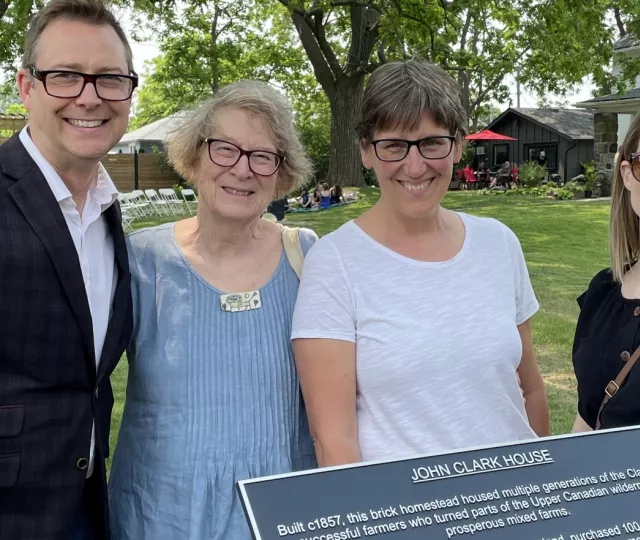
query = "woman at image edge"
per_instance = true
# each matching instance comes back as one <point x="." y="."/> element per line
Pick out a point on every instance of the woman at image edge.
<point x="608" y="327"/>
<point x="412" y="323"/>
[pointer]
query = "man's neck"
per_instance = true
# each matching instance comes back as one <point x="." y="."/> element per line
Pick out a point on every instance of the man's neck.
<point x="77" y="175"/>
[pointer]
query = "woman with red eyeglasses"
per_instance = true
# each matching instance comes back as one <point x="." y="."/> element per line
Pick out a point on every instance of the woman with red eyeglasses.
<point x="607" y="338"/>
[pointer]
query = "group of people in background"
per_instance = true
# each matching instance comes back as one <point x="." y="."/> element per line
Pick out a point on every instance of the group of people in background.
<point x="240" y="365"/>
<point x="506" y="177"/>
<point x="322" y="197"/>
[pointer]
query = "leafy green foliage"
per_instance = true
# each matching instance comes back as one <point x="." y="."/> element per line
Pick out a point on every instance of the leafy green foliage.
<point x="548" y="45"/>
<point x="8" y="96"/>
<point x="531" y="174"/>
<point x="589" y="174"/>
<point x="14" y="19"/>
<point x="549" y="191"/>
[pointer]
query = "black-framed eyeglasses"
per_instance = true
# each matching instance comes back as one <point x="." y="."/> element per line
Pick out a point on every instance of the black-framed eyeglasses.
<point x="226" y="154"/>
<point x="437" y="147"/>
<point x="70" y="84"/>
<point x="634" y="161"/>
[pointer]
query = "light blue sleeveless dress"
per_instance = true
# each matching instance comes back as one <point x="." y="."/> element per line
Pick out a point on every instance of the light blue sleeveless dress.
<point x="212" y="398"/>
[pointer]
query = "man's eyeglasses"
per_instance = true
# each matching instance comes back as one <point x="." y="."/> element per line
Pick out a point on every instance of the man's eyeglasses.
<point x="429" y="147"/>
<point x="70" y="84"/>
<point x="227" y="154"/>
<point x="634" y="161"/>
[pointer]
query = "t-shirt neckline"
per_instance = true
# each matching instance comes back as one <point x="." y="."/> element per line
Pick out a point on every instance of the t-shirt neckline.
<point x="425" y="264"/>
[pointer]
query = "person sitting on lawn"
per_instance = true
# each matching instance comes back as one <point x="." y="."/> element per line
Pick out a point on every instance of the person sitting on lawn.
<point x="212" y="394"/>
<point x="607" y="335"/>
<point x="325" y="196"/>
<point x="305" y="199"/>
<point x="315" y="201"/>
<point x="336" y="195"/>
<point x="391" y="358"/>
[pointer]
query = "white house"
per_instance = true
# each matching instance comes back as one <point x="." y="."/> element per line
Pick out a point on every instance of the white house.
<point x="149" y="138"/>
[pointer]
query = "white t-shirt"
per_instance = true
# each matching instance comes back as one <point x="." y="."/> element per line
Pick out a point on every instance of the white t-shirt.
<point x="437" y="344"/>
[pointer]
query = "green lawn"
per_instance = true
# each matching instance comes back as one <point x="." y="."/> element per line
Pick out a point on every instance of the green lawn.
<point x="565" y="244"/>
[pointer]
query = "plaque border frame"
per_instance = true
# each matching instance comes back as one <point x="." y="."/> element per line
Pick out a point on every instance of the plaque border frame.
<point x="244" y="499"/>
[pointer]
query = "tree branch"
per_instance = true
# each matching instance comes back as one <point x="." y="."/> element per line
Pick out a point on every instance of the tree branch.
<point x="365" y="32"/>
<point x="381" y="54"/>
<point x="619" y="22"/>
<point x="354" y="3"/>
<point x="465" y="30"/>
<point x="323" y="72"/>
<point x="325" y="47"/>
<point x="215" y="80"/>
<point x="4" y="6"/>
<point x="398" y="36"/>
<point x="484" y="93"/>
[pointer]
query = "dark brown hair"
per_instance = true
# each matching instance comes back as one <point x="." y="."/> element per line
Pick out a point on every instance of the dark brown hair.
<point x="399" y="93"/>
<point x="92" y="12"/>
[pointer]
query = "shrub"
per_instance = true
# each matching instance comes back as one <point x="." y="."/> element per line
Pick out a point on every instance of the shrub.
<point x="589" y="175"/>
<point x="550" y="191"/>
<point x="531" y="174"/>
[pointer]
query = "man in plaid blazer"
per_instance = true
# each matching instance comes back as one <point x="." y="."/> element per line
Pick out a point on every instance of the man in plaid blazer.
<point x="65" y="300"/>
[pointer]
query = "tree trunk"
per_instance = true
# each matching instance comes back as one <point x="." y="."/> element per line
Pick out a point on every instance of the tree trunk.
<point x="345" y="165"/>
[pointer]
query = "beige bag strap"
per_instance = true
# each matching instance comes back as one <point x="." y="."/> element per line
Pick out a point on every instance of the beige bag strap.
<point x="293" y="249"/>
<point x="613" y="386"/>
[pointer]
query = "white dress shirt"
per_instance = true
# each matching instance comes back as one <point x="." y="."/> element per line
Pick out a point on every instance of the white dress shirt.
<point x="93" y="243"/>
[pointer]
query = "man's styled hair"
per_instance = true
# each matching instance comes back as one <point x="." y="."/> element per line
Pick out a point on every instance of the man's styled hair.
<point x="87" y="11"/>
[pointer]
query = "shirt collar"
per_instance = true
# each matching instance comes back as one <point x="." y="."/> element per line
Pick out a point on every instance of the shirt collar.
<point x="103" y="192"/>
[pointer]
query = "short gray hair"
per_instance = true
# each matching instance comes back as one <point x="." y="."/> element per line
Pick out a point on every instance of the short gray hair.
<point x="185" y="144"/>
<point x="399" y="93"/>
<point x="93" y="12"/>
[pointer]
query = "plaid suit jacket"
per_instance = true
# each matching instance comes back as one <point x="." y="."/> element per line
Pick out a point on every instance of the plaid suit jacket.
<point x="50" y="393"/>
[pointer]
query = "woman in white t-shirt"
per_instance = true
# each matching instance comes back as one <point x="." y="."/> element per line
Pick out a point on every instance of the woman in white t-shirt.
<point x="412" y="325"/>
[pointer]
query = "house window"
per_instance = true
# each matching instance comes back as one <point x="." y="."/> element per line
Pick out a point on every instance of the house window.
<point x="500" y="154"/>
<point x="545" y="155"/>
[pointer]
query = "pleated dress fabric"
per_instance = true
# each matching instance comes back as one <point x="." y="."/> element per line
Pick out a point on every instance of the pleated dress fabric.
<point x="212" y="398"/>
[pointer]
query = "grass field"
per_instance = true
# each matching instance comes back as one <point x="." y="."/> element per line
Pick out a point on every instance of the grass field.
<point x="565" y="244"/>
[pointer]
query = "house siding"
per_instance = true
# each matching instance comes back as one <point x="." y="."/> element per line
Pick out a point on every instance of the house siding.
<point x="570" y="153"/>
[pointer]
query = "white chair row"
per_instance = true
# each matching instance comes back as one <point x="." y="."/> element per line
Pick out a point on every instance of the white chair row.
<point x="140" y="204"/>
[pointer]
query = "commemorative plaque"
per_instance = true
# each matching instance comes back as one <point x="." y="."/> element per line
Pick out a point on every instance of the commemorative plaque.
<point x="572" y="487"/>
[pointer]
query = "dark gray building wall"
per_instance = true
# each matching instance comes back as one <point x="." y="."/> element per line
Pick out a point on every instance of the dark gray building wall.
<point x="569" y="153"/>
<point x="578" y="153"/>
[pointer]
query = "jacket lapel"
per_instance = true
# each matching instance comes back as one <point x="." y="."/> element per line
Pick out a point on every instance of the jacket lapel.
<point x="34" y="198"/>
<point x="121" y="306"/>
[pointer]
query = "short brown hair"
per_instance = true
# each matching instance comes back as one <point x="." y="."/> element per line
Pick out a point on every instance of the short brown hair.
<point x="184" y="145"/>
<point x="399" y="93"/>
<point x="624" y="233"/>
<point x="88" y="11"/>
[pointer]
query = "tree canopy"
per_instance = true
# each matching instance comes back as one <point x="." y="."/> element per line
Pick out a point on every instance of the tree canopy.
<point x="320" y="53"/>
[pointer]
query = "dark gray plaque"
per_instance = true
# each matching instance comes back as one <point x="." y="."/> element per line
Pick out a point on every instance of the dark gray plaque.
<point x="573" y="487"/>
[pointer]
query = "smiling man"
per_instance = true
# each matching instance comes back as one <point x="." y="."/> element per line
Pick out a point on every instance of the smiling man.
<point x="65" y="307"/>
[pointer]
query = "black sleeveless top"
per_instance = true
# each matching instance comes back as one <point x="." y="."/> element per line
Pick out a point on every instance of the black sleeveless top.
<point x="608" y="328"/>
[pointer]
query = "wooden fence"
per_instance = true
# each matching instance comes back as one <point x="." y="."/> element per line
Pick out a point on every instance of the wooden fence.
<point x="11" y="124"/>
<point x="140" y="171"/>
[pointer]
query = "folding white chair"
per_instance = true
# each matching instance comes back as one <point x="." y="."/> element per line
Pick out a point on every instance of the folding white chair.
<point x="169" y="195"/>
<point x="127" y="220"/>
<point x="189" y="193"/>
<point x="159" y="204"/>
<point x="142" y="203"/>
<point x="128" y="206"/>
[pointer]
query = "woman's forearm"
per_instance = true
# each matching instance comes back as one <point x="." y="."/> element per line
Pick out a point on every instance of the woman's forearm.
<point x="538" y="412"/>
<point x="333" y="450"/>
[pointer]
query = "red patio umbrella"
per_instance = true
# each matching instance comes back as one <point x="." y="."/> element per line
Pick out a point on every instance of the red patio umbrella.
<point x="488" y="135"/>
